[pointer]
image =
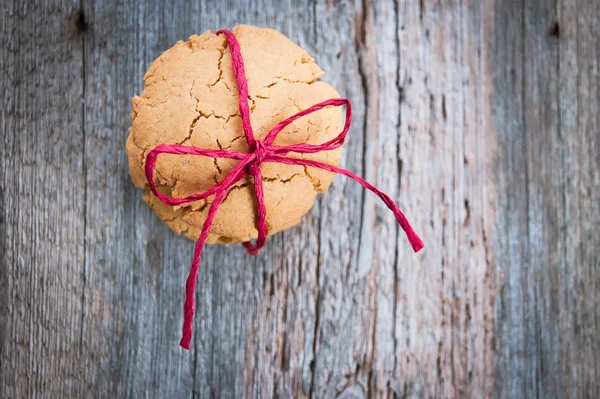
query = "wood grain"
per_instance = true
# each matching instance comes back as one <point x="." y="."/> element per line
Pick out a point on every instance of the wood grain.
<point x="43" y="200"/>
<point x="480" y="118"/>
<point x="447" y="140"/>
<point x="545" y="101"/>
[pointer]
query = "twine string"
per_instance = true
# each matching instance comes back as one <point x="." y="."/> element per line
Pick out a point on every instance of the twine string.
<point x="249" y="164"/>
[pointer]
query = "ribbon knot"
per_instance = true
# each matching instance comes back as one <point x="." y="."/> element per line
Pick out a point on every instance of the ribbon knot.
<point x="249" y="164"/>
<point x="260" y="152"/>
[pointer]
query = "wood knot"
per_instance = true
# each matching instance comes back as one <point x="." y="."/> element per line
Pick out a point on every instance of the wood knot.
<point x="554" y="29"/>
<point x="80" y="22"/>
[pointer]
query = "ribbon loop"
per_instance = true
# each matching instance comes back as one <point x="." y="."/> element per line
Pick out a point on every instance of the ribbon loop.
<point x="259" y="152"/>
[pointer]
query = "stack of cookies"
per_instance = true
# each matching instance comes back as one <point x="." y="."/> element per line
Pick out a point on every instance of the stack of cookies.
<point x="190" y="97"/>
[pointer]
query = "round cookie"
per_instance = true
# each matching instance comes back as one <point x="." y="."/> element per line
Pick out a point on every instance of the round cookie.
<point x="190" y="97"/>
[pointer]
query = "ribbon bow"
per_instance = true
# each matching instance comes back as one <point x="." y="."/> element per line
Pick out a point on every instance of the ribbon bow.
<point x="259" y="152"/>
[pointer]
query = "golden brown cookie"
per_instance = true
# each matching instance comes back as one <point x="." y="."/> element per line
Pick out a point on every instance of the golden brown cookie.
<point x="190" y="97"/>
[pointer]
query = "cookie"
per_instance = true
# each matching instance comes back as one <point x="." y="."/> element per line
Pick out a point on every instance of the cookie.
<point x="190" y="97"/>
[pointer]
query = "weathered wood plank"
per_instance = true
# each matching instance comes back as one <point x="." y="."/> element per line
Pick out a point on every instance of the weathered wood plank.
<point x="134" y="264"/>
<point x="445" y="327"/>
<point x="257" y="340"/>
<point x="576" y="285"/>
<point x="511" y="183"/>
<point x="546" y="100"/>
<point x="338" y="350"/>
<point x="42" y="198"/>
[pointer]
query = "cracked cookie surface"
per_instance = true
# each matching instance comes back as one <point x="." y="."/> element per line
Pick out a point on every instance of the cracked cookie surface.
<point x="190" y="97"/>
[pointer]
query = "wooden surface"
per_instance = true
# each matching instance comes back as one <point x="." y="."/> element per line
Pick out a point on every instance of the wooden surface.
<point x="480" y="117"/>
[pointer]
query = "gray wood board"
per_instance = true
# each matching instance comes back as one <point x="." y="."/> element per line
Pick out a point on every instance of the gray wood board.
<point x="548" y="167"/>
<point x="480" y="118"/>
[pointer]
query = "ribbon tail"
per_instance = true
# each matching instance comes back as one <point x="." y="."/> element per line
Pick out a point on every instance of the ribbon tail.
<point x="413" y="238"/>
<point x="261" y="213"/>
<point x="190" y="284"/>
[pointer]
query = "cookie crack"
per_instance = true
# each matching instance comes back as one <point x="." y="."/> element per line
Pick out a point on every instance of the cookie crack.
<point x="290" y="178"/>
<point x="203" y="115"/>
<point x="233" y="141"/>
<point x="315" y="182"/>
<point x="191" y="129"/>
<point x="241" y="186"/>
<point x="203" y="207"/>
<point x="279" y="79"/>
<point x="190" y="207"/>
<point x="309" y="81"/>
<point x="217" y="167"/>
<point x="219" y="65"/>
<point x="285" y="181"/>
<point x="216" y="177"/>
<point x="163" y="180"/>
<point x="198" y="116"/>
<point x="168" y="219"/>
<point x="293" y="100"/>
<point x="280" y="179"/>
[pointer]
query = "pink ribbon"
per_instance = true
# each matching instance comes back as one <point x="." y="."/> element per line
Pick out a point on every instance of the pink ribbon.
<point x="259" y="152"/>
